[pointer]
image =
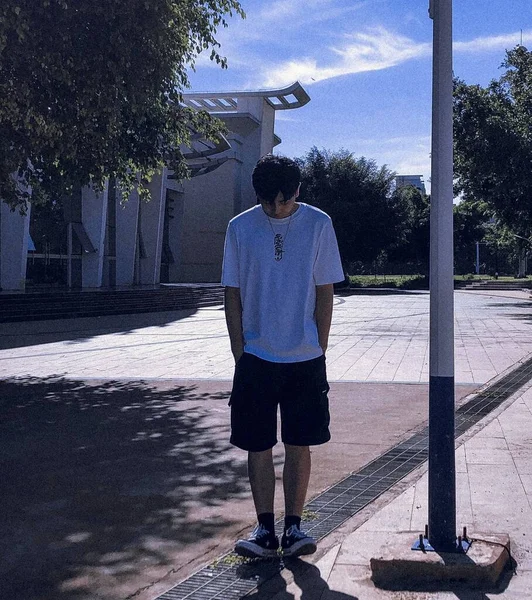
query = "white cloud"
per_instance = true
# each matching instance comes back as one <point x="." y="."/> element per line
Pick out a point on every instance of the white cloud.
<point x="496" y="42"/>
<point x="302" y="12"/>
<point x="373" y="50"/>
<point x="241" y="40"/>
<point x="285" y="117"/>
<point x="280" y="10"/>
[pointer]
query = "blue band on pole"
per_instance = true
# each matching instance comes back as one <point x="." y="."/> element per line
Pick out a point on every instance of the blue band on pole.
<point x="442" y="478"/>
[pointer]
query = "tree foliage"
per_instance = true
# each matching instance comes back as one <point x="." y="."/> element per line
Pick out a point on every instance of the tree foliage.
<point x="92" y="90"/>
<point x="358" y="195"/>
<point x="493" y="142"/>
<point x="413" y="244"/>
<point x="501" y="251"/>
<point x="471" y="221"/>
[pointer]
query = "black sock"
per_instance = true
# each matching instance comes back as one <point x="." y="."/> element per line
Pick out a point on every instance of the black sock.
<point x="267" y="520"/>
<point x="290" y="520"/>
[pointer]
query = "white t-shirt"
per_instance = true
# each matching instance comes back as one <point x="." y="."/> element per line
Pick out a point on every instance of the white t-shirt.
<point x="279" y="296"/>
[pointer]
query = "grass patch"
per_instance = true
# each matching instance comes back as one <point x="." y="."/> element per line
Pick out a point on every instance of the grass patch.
<point x="402" y="282"/>
<point x="421" y="282"/>
<point x="231" y="560"/>
<point x="475" y="277"/>
<point x="309" y="515"/>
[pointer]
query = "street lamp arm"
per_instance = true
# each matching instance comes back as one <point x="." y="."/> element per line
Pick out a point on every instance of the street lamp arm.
<point x="528" y="240"/>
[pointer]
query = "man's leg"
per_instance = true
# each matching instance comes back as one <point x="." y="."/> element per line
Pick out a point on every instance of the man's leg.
<point x="263" y="542"/>
<point x="261" y="474"/>
<point x="254" y="426"/>
<point x="296" y="475"/>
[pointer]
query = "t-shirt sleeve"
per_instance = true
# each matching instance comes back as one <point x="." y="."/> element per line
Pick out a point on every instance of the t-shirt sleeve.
<point x="328" y="265"/>
<point x="230" y="265"/>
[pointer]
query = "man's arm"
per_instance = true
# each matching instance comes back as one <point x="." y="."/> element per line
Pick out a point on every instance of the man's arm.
<point x="324" y="308"/>
<point x="233" y="318"/>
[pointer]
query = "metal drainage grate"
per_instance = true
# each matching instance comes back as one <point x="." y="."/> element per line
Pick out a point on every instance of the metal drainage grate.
<point x="342" y="501"/>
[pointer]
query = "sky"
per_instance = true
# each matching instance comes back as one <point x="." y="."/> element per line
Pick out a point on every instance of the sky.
<point x="367" y="66"/>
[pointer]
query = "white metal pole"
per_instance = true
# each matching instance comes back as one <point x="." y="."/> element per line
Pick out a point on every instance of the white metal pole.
<point x="442" y="480"/>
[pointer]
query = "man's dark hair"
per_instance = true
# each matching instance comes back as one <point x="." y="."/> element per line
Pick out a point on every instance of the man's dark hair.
<point x="274" y="174"/>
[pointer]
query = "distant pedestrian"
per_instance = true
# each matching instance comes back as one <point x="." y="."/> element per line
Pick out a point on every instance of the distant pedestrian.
<point x="280" y="262"/>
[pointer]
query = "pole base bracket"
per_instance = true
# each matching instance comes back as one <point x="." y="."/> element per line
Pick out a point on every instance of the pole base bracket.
<point x="460" y="545"/>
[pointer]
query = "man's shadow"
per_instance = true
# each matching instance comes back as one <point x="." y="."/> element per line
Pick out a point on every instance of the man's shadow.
<point x="271" y="583"/>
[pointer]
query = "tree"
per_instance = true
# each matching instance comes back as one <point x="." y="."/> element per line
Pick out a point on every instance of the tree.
<point x="471" y="220"/>
<point x="92" y="90"/>
<point x="493" y="143"/>
<point x="358" y="195"/>
<point x="413" y="244"/>
<point x="499" y="247"/>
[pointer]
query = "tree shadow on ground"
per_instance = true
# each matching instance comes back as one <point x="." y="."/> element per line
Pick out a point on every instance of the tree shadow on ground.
<point x="519" y="316"/>
<point x="102" y="482"/>
<point x="31" y="333"/>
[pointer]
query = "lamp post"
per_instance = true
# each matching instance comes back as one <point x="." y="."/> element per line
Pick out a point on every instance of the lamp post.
<point x="442" y="476"/>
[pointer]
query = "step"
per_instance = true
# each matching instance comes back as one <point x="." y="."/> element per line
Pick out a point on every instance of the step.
<point x="34" y="306"/>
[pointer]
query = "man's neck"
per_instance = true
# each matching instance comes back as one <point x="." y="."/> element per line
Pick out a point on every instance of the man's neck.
<point x="280" y="210"/>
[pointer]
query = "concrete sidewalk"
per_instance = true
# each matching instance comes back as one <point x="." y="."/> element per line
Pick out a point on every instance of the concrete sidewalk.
<point x="118" y="473"/>
<point x="494" y="495"/>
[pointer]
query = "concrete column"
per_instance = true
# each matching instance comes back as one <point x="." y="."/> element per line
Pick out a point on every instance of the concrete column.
<point x="258" y="143"/>
<point x="176" y="201"/>
<point x="126" y="239"/>
<point x="151" y="224"/>
<point x="236" y="145"/>
<point x="94" y="215"/>
<point x="267" y="129"/>
<point x="14" y="236"/>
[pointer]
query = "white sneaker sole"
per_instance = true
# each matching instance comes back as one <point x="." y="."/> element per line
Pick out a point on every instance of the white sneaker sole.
<point x="301" y="548"/>
<point x="248" y="549"/>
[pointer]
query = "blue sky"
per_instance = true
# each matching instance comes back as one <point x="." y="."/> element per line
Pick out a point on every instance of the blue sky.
<point x="366" y="65"/>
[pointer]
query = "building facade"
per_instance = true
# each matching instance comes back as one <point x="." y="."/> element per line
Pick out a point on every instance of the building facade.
<point x="95" y="240"/>
<point x="413" y="180"/>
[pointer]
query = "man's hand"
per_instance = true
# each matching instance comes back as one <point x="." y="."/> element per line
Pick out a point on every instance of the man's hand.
<point x="237" y="354"/>
<point x="233" y="318"/>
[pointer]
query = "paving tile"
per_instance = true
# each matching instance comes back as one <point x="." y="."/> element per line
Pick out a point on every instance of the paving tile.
<point x="395" y="516"/>
<point x="460" y="459"/>
<point x="326" y="563"/>
<point x="360" y="546"/>
<point x="488" y="455"/>
<point x="519" y="588"/>
<point x="348" y="582"/>
<point x="526" y="481"/>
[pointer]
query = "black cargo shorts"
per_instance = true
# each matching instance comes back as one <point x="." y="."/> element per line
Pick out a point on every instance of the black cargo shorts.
<point x="300" y="390"/>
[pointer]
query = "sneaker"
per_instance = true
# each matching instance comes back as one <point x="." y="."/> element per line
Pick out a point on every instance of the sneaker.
<point x="260" y="544"/>
<point x="296" y="542"/>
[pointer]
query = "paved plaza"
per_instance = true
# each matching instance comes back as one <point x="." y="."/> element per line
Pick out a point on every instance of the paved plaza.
<point x="374" y="338"/>
<point x="119" y="481"/>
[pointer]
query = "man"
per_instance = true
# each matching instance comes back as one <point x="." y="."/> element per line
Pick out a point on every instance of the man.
<point x="280" y="262"/>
